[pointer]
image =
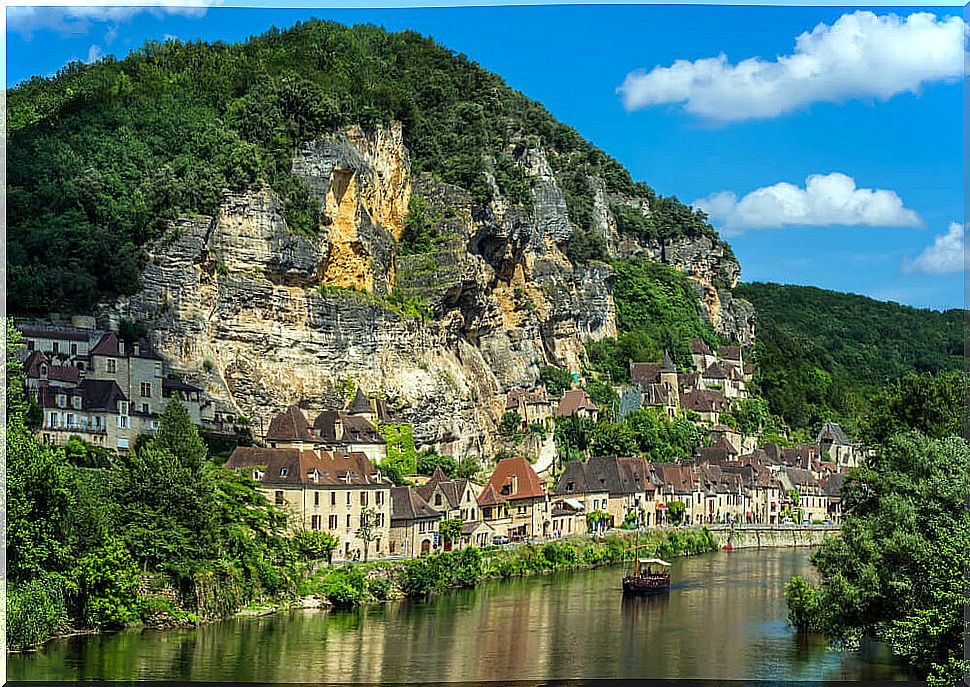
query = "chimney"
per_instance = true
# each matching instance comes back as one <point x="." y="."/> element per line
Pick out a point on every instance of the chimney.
<point x="121" y="347"/>
<point x="136" y="348"/>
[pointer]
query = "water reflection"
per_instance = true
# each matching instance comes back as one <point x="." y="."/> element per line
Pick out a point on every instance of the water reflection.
<point x="724" y="617"/>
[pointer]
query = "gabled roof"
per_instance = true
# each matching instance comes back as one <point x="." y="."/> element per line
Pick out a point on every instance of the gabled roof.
<point x="110" y="345"/>
<point x="527" y="483"/>
<point x="573" y="401"/>
<point x="96" y="395"/>
<point x="668" y="363"/>
<point x="732" y="353"/>
<point x="490" y="497"/>
<point x="356" y="428"/>
<point x="290" y="425"/>
<point x="715" y="371"/>
<point x="832" y="484"/>
<point x="55" y="373"/>
<point x="700" y="347"/>
<point x="645" y="373"/>
<point x="703" y="401"/>
<point x="833" y="432"/>
<point x="453" y="490"/>
<point x="407" y="504"/>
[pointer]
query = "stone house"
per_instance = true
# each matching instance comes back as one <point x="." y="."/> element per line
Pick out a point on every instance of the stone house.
<point x="568" y="518"/>
<point x="576" y="402"/>
<point x="108" y="391"/>
<point x="625" y="482"/>
<point x="708" y="404"/>
<point x="478" y="533"/>
<point x="811" y="499"/>
<point x="319" y="490"/>
<point x="453" y="498"/>
<point x="731" y="356"/>
<point x="832" y="488"/>
<point x="677" y="482"/>
<point x="701" y="354"/>
<point x="659" y="384"/>
<point x="516" y="488"/>
<point x="414" y="524"/>
<point x="834" y="444"/>
<point x="534" y="407"/>
<point x="333" y="430"/>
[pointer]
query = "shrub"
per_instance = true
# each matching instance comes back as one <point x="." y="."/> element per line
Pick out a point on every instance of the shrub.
<point x="36" y="610"/>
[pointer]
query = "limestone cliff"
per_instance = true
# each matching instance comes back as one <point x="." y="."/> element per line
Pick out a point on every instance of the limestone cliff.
<point x="264" y="317"/>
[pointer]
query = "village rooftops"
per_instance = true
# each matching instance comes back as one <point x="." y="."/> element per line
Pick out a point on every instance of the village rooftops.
<point x="408" y="505"/>
<point x="518" y="394"/>
<point x="355" y="428"/>
<point x="490" y="497"/>
<point x="606" y="473"/>
<point x="730" y="353"/>
<point x="293" y="466"/>
<point x="703" y="401"/>
<point x="573" y="401"/>
<point x="715" y="371"/>
<point x="360" y="405"/>
<point x="514" y="478"/>
<point x="37" y="366"/>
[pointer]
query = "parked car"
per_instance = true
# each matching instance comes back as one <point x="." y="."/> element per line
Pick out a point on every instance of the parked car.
<point x="827" y="522"/>
<point x="787" y="521"/>
<point x="500" y="539"/>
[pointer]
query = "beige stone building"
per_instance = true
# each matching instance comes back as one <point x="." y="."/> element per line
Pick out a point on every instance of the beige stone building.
<point x="514" y="502"/>
<point x="327" y="491"/>
<point x="414" y="524"/>
<point x="618" y="486"/>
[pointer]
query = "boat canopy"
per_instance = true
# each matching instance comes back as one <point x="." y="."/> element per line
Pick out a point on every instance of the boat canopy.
<point x="646" y="561"/>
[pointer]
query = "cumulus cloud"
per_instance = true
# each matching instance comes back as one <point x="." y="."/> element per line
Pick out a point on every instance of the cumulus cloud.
<point x="826" y="199"/>
<point x="861" y="55"/>
<point x="77" y="19"/>
<point x="945" y="255"/>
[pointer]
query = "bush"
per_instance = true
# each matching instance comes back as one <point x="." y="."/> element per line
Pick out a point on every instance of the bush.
<point x="36" y="611"/>
<point x="379" y="588"/>
<point x="800" y="596"/>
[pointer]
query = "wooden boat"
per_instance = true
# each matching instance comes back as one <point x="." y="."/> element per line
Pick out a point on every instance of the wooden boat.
<point x="650" y="575"/>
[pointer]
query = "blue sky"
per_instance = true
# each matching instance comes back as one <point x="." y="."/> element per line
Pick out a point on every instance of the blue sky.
<point x="879" y="131"/>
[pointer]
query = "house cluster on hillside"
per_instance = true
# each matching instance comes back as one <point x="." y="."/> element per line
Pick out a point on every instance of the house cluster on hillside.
<point x="98" y="386"/>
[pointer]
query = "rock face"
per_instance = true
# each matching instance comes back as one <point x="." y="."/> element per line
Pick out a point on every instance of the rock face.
<point x="263" y="317"/>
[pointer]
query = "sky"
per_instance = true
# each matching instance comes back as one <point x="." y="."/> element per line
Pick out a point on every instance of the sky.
<point x="824" y="142"/>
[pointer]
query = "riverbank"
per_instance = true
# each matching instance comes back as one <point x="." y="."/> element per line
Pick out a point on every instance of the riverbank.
<point x="362" y="583"/>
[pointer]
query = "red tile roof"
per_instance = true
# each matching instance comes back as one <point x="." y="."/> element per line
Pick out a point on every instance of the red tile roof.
<point x="527" y="484"/>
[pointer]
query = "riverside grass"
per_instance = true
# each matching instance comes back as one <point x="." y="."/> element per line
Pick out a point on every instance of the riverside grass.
<point x="351" y="585"/>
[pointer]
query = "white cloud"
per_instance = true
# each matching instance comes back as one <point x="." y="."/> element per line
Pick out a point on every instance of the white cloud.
<point x="826" y="200"/>
<point x="861" y="55"/>
<point x="945" y="255"/>
<point x="76" y="19"/>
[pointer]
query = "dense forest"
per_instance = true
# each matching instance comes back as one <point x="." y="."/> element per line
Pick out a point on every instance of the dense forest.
<point x="821" y="354"/>
<point x="101" y="156"/>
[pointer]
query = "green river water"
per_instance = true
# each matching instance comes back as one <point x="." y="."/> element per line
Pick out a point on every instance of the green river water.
<point x="724" y="618"/>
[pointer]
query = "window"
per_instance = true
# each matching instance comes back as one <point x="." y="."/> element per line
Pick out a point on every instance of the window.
<point x="284" y="472"/>
<point x="316" y="500"/>
<point x="333" y="499"/>
<point x="73" y="349"/>
<point x="279" y="498"/>
<point x="111" y="366"/>
<point x="380" y="498"/>
<point x="348" y="519"/>
<point x="363" y="498"/>
<point x="76" y="402"/>
<point x="61" y="401"/>
<point x="57" y="348"/>
<point x="421" y="528"/>
<point x="315" y="522"/>
<point x="123" y="422"/>
<point x="70" y="420"/>
<point x="144" y="408"/>
<point x="146" y="389"/>
<point x="332" y="522"/>
<point x="53" y="420"/>
<point x="348" y="498"/>
<point x="437" y="499"/>
<point x="122" y="407"/>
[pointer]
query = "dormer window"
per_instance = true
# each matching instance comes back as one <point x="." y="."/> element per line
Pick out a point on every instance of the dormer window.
<point x="61" y="401"/>
<point x="43" y="370"/>
<point x="284" y="472"/>
<point x="122" y="407"/>
<point x="76" y="402"/>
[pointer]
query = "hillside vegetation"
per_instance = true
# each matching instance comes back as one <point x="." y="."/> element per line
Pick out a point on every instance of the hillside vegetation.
<point x="101" y="156"/>
<point x="822" y="353"/>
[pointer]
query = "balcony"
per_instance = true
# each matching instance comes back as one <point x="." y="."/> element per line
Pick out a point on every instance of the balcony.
<point x="78" y="428"/>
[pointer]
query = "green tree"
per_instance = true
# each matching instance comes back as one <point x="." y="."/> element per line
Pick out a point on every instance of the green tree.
<point x="612" y="439"/>
<point x="367" y="532"/>
<point x="429" y="461"/>
<point x="316" y="544"/>
<point x="555" y="379"/>
<point x="675" y="511"/>
<point x="450" y="529"/>
<point x="511" y="424"/>
<point x="931" y="404"/>
<point x="897" y="570"/>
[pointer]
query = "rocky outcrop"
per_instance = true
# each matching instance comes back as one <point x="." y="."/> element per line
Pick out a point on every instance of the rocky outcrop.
<point x="264" y="317"/>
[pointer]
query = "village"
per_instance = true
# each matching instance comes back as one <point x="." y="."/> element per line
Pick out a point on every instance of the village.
<point x="325" y="471"/>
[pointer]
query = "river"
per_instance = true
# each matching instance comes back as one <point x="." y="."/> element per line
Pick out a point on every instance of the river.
<point x="724" y="618"/>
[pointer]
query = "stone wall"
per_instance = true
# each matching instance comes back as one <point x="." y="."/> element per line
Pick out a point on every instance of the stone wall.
<point x="765" y="537"/>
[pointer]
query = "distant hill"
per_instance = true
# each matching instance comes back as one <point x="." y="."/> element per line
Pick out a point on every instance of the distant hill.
<point x="822" y="352"/>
